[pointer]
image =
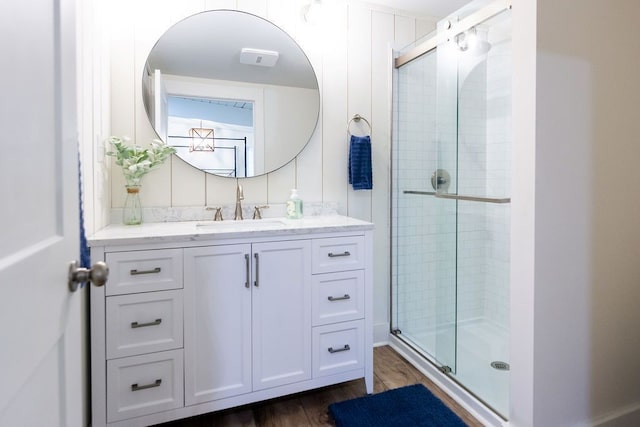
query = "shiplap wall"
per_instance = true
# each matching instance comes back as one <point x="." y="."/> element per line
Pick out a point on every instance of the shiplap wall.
<point x="350" y="52"/>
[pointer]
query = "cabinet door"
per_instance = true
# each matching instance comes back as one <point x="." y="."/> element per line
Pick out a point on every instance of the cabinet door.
<point x="217" y="310"/>
<point x="281" y="313"/>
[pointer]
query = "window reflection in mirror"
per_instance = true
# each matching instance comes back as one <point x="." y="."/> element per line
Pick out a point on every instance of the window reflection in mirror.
<point x="214" y="135"/>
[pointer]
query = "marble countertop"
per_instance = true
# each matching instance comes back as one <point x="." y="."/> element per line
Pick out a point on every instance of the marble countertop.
<point x="162" y="232"/>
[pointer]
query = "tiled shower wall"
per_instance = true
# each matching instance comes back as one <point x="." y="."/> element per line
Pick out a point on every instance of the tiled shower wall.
<point x="499" y="142"/>
<point x="425" y="228"/>
<point x="484" y="154"/>
<point x="472" y="168"/>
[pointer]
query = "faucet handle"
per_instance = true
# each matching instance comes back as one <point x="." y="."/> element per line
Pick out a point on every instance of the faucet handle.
<point x="256" y="211"/>
<point x="218" y="215"/>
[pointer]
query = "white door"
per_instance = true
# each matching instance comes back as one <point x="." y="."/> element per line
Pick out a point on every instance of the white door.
<point x="281" y="309"/>
<point x="217" y="317"/>
<point x="40" y="342"/>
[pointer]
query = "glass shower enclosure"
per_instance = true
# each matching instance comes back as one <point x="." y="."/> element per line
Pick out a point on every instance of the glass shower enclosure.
<point x="451" y="199"/>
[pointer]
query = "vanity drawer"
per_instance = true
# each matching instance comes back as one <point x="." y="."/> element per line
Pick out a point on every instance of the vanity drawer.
<point x="338" y="254"/>
<point x="141" y="385"/>
<point x="338" y="348"/>
<point x="337" y="297"/>
<point x="144" y="323"/>
<point x="144" y="271"/>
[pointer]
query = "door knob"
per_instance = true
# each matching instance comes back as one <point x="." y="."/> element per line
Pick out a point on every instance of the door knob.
<point x="97" y="274"/>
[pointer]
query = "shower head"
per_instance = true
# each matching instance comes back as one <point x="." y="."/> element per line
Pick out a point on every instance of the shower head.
<point x="473" y="41"/>
<point x="481" y="47"/>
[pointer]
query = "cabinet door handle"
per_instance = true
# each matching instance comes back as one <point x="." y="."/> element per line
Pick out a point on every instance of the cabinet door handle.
<point x="332" y="255"/>
<point x="346" y="296"/>
<point x="338" y="350"/>
<point x="256" y="283"/>
<point x="136" y="387"/>
<point x="154" y="271"/>
<point x="142" y="325"/>
<point x="247" y="263"/>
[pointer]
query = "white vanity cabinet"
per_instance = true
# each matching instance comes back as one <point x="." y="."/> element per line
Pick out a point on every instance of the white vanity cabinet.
<point x="247" y="321"/>
<point x="140" y="320"/>
<point x="194" y="321"/>
<point x="338" y="304"/>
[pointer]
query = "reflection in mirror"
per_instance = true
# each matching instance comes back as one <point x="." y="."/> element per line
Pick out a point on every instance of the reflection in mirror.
<point x="232" y="92"/>
<point x="214" y="135"/>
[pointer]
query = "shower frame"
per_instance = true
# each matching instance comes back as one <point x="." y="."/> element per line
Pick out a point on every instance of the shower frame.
<point x="454" y="28"/>
<point x="426" y="364"/>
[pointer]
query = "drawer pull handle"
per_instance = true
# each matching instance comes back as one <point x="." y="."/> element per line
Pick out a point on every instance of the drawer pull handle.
<point x="142" y="325"/>
<point x="136" y="272"/>
<point x="346" y="296"/>
<point x="345" y="253"/>
<point x="345" y="348"/>
<point x="136" y="387"/>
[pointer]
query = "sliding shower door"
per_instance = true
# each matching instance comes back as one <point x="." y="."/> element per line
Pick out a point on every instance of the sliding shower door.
<point x="451" y="205"/>
<point x="484" y="174"/>
<point x="424" y="228"/>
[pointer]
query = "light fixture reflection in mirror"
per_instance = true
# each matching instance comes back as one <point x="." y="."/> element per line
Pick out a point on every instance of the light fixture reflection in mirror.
<point x="214" y="135"/>
<point x="201" y="139"/>
<point x="239" y="75"/>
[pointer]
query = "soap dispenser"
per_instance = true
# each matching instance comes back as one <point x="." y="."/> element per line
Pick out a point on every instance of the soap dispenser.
<point x="294" y="205"/>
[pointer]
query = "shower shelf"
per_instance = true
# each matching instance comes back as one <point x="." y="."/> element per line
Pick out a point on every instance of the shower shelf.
<point x="460" y="197"/>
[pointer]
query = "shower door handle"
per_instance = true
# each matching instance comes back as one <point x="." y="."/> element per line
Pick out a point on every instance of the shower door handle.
<point x="420" y="193"/>
<point x="459" y="197"/>
<point x="474" y="198"/>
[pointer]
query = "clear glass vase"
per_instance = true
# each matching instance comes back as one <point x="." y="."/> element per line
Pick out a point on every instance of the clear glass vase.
<point x="132" y="211"/>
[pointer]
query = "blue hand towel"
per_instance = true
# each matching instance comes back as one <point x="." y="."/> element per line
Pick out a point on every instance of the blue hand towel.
<point x="360" y="175"/>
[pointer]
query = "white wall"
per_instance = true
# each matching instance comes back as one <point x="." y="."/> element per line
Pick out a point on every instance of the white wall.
<point x="350" y="51"/>
<point x="575" y="223"/>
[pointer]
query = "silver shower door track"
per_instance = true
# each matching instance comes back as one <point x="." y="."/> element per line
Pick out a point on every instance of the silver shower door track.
<point x="454" y="29"/>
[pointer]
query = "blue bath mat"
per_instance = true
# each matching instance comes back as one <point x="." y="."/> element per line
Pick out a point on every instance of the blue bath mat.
<point x="412" y="405"/>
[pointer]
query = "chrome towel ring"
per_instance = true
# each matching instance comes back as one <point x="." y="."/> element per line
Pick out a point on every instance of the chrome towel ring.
<point x="356" y="118"/>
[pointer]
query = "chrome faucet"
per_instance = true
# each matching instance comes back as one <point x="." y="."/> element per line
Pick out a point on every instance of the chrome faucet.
<point x="239" y="198"/>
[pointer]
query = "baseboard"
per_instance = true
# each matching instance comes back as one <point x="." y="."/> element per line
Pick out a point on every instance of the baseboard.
<point x="381" y="334"/>
<point x="627" y="416"/>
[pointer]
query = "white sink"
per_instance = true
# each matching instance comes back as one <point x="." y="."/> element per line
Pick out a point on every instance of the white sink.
<point x="254" y="224"/>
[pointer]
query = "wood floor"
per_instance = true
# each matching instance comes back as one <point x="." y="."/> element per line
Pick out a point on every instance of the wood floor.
<point x="310" y="408"/>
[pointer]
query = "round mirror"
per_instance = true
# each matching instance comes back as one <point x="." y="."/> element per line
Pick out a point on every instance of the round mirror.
<point x="233" y="93"/>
